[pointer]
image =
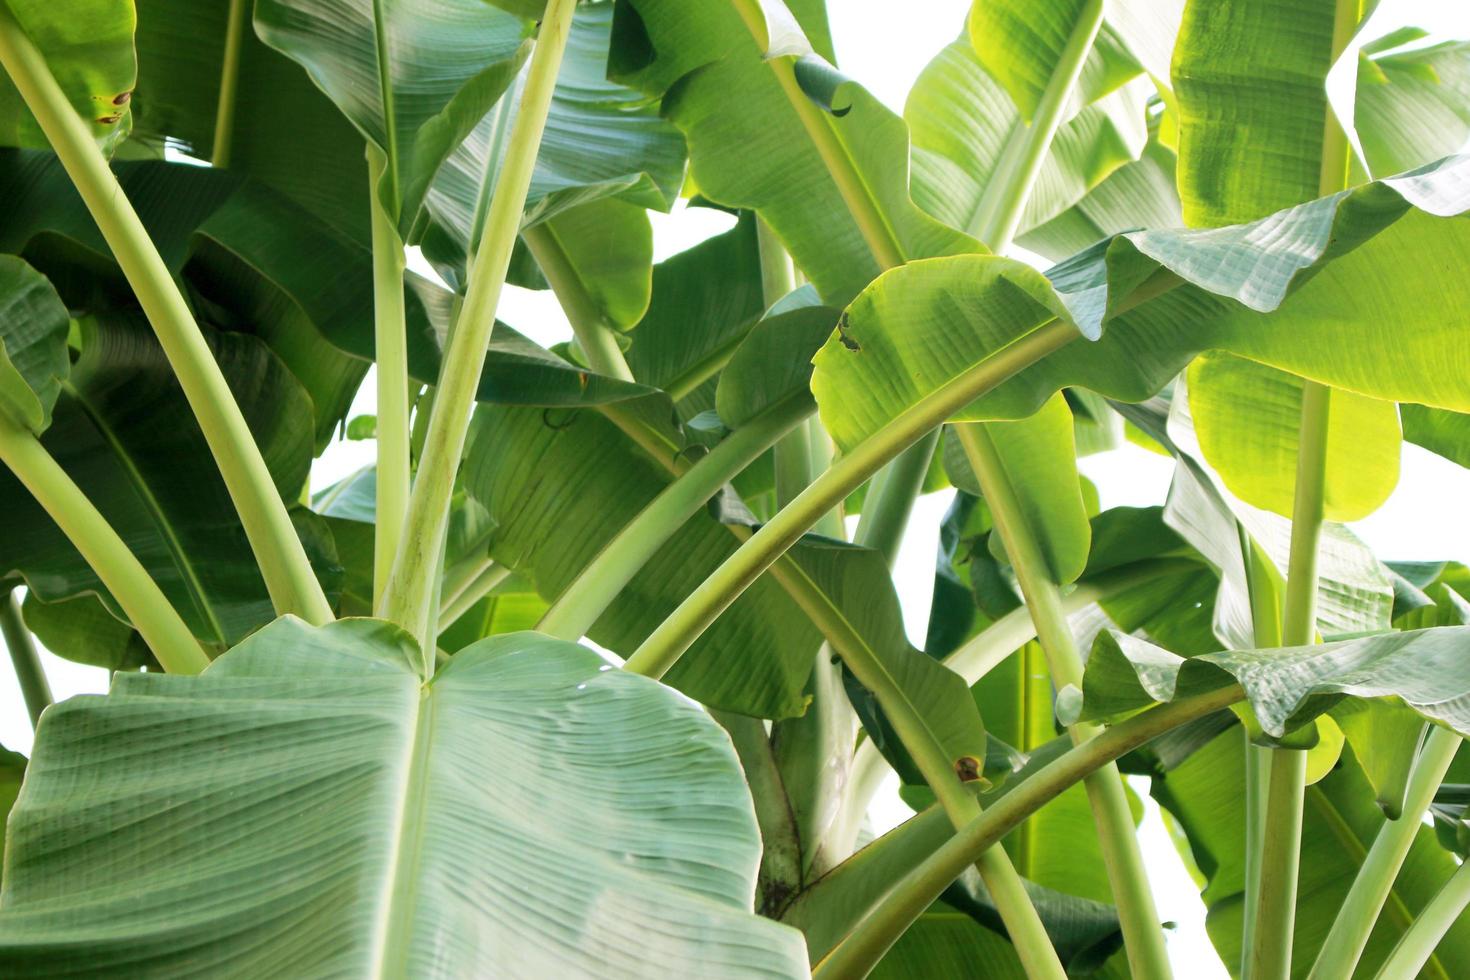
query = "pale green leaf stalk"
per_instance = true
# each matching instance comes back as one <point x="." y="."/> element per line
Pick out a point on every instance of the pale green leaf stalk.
<point x="598" y="340"/>
<point x="411" y="598"/>
<point x="1142" y="934"/>
<point x="25" y="658"/>
<point x="288" y="575"/>
<point x="88" y="531"/>
<point x="856" y="955"/>
<point x="1417" y="944"/>
<point x="229" y="83"/>
<point x="390" y="345"/>
<point x="1344" y="945"/>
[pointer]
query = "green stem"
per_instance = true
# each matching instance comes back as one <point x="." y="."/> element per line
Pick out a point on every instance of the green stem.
<point x="477" y="588"/>
<point x="1142" y="935"/>
<point x="411" y="596"/>
<point x="891" y="496"/>
<point x="1270" y="955"/>
<point x="778" y="275"/>
<point x="26" y="659"/>
<point x="599" y="342"/>
<point x="998" y="214"/>
<point x="288" y="575"/>
<point x="1418" y="943"/>
<point x="781" y="860"/>
<point x="668" y="642"/>
<point x="1263" y="590"/>
<point x="588" y="596"/>
<point x="865" y="945"/>
<point x="1360" y="910"/>
<point x="390" y="340"/>
<point x="84" y="526"/>
<point x="229" y="81"/>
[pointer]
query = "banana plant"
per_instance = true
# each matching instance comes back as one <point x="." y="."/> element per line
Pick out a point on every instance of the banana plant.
<point x="599" y="668"/>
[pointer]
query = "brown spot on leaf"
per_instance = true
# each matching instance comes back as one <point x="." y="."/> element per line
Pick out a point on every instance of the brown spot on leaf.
<point x="842" y="334"/>
<point x="967" y="767"/>
<point x="108" y="120"/>
<point x="122" y="98"/>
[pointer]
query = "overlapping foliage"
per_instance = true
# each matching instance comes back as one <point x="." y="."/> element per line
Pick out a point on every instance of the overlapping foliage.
<point x="1090" y="223"/>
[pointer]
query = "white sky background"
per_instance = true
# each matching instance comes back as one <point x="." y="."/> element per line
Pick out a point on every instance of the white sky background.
<point x="885" y="45"/>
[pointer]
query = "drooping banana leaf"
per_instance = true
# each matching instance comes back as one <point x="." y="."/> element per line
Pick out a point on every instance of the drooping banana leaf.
<point x="1315" y="290"/>
<point x="89" y="48"/>
<point x="755" y="135"/>
<point x="1289" y="686"/>
<point x="448" y="62"/>
<point x="1248" y="419"/>
<point x="328" y="774"/>
<point x="122" y="430"/>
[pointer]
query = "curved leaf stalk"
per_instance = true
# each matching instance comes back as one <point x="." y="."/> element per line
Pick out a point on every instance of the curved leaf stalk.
<point x="390" y="347"/>
<point x="891" y="497"/>
<point x="411" y="597"/>
<point x="1360" y="910"/>
<point x="865" y="945"/>
<point x="998" y="213"/>
<point x="108" y="555"/>
<point x="674" y="635"/>
<point x="594" y="589"/>
<point x="229" y="82"/>
<point x="1142" y="934"/>
<point x="477" y="588"/>
<point x="1417" y="944"/>
<point x="781" y="856"/>
<point x="288" y="575"/>
<point x="29" y="673"/>
<point x="985" y="651"/>
<point x="599" y="342"/>
<point x="1262" y="589"/>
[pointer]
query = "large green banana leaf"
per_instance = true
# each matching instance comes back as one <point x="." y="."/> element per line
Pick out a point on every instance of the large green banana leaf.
<point x="122" y="430"/>
<point x="1289" y="686"/>
<point x="602" y="140"/>
<point x="317" y="768"/>
<point x="285" y="132"/>
<point x="1248" y="419"/>
<point x="1139" y="194"/>
<point x="88" y="45"/>
<point x="1242" y="158"/>
<point x="746" y="116"/>
<point x="1339" y="824"/>
<point x="961" y="120"/>
<point x="576" y="481"/>
<point x="448" y="62"/>
<point x="1316" y="290"/>
<point x="1411" y="105"/>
